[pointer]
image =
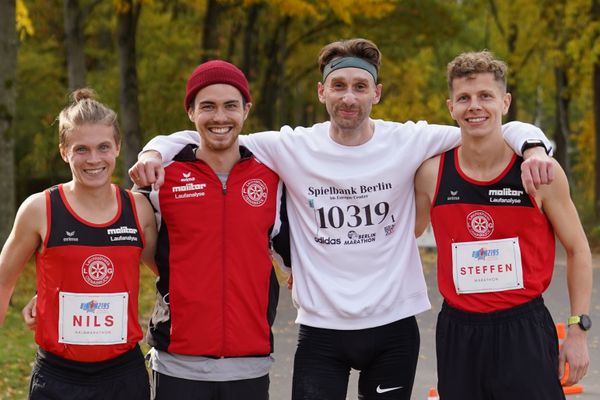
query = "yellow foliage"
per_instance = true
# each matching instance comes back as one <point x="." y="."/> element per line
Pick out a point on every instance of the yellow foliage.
<point x="583" y="167"/>
<point x="122" y="6"/>
<point x="346" y="9"/>
<point x="407" y="94"/>
<point x="295" y="8"/>
<point x="24" y="24"/>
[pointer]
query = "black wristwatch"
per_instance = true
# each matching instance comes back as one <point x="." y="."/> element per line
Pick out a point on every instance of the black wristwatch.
<point x="529" y="143"/>
<point x="583" y="320"/>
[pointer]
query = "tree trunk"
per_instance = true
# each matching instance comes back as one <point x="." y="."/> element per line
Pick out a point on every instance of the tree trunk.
<point x="74" y="43"/>
<point x="8" y="75"/>
<point x="561" y="135"/>
<point x="271" y="84"/>
<point x="283" y="113"/>
<point x="210" y="31"/>
<point x="234" y="34"/>
<point x="128" y="87"/>
<point x="513" y="87"/>
<point x="596" y="83"/>
<point x="250" y="49"/>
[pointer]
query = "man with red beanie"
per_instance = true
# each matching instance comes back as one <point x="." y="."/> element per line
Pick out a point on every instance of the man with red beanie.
<point x="218" y="212"/>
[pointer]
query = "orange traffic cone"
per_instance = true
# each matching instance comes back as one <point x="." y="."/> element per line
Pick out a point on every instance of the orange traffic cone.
<point x="572" y="389"/>
<point x="433" y="394"/>
<point x="561" y="332"/>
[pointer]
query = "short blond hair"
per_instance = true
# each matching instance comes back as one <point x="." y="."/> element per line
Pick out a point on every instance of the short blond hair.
<point x="478" y="62"/>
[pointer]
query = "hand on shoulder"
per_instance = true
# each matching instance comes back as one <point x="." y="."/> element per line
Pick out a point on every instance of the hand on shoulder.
<point x="148" y="170"/>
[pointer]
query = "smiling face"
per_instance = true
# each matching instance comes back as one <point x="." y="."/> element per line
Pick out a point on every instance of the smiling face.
<point x="91" y="152"/>
<point x="478" y="102"/>
<point x="219" y="114"/>
<point x="349" y="95"/>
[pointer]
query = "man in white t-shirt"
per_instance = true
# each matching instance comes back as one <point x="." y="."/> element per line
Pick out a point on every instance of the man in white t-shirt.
<point x="358" y="281"/>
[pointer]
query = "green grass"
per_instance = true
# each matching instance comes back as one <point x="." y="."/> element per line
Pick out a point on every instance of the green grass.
<point x="17" y="345"/>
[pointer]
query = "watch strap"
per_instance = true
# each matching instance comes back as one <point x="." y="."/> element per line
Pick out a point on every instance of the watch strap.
<point x="530" y="143"/>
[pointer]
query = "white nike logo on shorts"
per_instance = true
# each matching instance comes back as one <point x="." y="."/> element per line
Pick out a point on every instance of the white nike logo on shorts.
<point x="380" y="390"/>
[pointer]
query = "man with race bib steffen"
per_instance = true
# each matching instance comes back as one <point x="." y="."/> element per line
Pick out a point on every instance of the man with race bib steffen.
<point x="495" y="338"/>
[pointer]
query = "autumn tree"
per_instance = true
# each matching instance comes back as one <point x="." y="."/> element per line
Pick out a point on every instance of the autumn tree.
<point x="595" y="16"/>
<point x="8" y="67"/>
<point x="75" y="16"/>
<point x="288" y="27"/>
<point x="128" y="13"/>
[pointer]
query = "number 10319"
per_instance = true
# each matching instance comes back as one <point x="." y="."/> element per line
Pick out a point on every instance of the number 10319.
<point x="354" y="216"/>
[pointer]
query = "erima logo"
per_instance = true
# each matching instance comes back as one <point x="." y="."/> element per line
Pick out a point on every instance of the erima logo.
<point x="453" y="195"/>
<point x="187" y="177"/>
<point x="70" y="237"/>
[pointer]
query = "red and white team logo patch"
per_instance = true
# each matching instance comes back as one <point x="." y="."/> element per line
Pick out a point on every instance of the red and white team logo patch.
<point x="254" y="192"/>
<point x="97" y="270"/>
<point x="480" y="224"/>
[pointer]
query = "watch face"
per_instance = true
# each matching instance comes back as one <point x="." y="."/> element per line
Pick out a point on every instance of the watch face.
<point x="585" y="322"/>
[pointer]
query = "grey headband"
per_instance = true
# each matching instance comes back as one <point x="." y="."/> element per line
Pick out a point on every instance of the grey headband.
<point x="349" y="62"/>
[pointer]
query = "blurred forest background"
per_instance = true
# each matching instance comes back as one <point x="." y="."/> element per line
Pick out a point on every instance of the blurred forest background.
<point x="137" y="55"/>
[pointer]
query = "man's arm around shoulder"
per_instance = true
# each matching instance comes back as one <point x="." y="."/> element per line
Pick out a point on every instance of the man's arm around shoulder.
<point x="425" y="184"/>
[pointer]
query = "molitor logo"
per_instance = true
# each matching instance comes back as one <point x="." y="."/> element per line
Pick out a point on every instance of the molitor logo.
<point x="189" y="187"/>
<point x="97" y="270"/>
<point x="505" y="195"/>
<point x="189" y="190"/>
<point x="482" y="253"/>
<point x="122" y="233"/>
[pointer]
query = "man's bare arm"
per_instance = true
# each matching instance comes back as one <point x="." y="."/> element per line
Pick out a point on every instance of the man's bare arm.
<point x="558" y="206"/>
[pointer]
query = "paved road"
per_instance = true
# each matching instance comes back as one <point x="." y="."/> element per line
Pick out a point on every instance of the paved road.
<point x="556" y="299"/>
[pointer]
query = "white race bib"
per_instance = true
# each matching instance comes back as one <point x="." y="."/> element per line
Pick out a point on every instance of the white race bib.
<point x="92" y="318"/>
<point x="487" y="266"/>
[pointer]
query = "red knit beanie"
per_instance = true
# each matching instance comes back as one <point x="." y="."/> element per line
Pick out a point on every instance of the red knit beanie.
<point x="212" y="72"/>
